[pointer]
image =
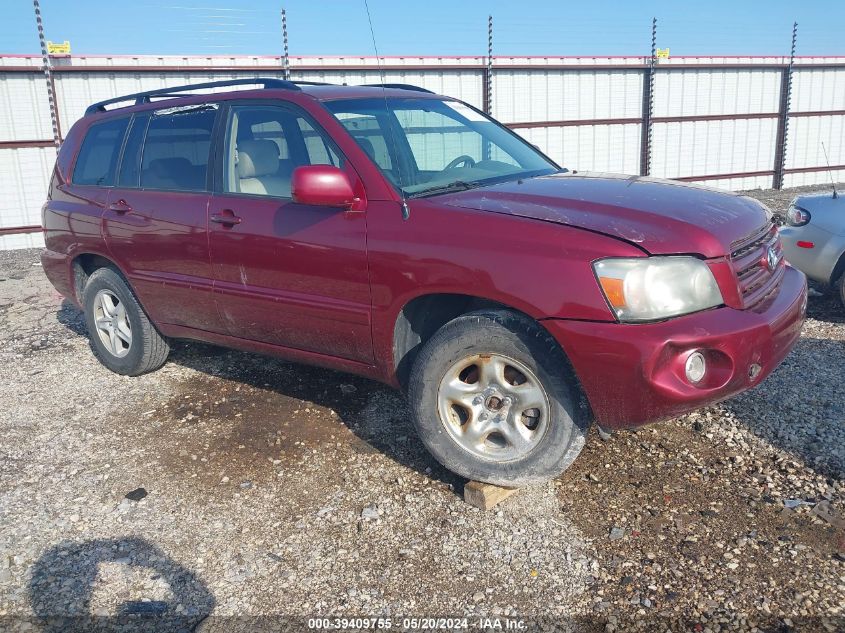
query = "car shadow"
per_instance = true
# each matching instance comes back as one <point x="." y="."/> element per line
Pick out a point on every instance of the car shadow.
<point x="69" y="577"/>
<point x="72" y="318"/>
<point x="375" y="413"/>
<point x="827" y="307"/>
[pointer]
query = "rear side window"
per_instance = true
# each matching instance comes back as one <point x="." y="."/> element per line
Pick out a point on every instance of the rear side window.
<point x="176" y="149"/>
<point x="130" y="164"/>
<point x="97" y="160"/>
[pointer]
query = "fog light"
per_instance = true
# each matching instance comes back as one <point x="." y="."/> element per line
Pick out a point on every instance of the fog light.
<point x="695" y="367"/>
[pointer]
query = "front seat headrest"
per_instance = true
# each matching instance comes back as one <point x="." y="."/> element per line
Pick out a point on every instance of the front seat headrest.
<point x="257" y="158"/>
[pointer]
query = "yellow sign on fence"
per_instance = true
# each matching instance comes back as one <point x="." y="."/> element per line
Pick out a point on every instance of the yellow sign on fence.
<point x="58" y="48"/>
<point x="662" y="53"/>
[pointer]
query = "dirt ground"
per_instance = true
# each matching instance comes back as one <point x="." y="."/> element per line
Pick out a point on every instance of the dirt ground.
<point x="273" y="493"/>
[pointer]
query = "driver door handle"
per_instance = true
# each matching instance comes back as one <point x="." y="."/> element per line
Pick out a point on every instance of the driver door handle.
<point x="226" y="218"/>
<point x="120" y="207"/>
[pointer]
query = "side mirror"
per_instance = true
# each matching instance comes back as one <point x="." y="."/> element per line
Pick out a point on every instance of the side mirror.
<point x="322" y="185"/>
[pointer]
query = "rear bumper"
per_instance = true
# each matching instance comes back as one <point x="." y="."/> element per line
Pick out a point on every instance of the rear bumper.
<point x="819" y="253"/>
<point x="634" y="374"/>
<point x="58" y="270"/>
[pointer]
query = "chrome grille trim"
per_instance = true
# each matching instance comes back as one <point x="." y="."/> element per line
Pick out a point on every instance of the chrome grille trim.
<point x="748" y="257"/>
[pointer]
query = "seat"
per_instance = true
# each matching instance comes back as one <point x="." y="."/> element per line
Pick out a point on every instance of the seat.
<point x="258" y="169"/>
<point x="366" y="145"/>
<point x="173" y="173"/>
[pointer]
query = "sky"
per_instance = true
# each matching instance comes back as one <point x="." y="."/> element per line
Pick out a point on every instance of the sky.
<point x="431" y="27"/>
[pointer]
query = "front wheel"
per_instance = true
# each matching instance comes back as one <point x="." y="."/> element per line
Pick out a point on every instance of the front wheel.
<point x="494" y="401"/>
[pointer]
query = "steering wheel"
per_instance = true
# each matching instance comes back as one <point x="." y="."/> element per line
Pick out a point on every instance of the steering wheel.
<point x="467" y="161"/>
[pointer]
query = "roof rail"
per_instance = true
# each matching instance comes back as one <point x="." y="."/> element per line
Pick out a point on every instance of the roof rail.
<point x="311" y="83"/>
<point x="144" y="97"/>
<point x="400" y="87"/>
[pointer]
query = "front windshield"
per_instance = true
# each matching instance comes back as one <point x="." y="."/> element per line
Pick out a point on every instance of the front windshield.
<point x="429" y="146"/>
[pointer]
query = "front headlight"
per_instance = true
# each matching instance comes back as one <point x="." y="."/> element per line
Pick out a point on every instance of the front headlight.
<point x="651" y="288"/>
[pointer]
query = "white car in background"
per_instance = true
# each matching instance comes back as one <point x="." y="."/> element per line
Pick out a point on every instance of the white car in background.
<point x="814" y="238"/>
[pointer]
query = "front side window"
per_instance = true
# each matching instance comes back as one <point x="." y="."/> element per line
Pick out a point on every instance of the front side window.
<point x="176" y="149"/>
<point x="427" y="146"/>
<point x="97" y="160"/>
<point x="264" y="144"/>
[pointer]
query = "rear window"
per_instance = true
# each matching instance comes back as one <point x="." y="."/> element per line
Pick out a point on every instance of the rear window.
<point x="97" y="160"/>
<point x="176" y="149"/>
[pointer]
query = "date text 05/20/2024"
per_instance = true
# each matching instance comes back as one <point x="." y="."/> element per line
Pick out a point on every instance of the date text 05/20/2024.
<point x="417" y="624"/>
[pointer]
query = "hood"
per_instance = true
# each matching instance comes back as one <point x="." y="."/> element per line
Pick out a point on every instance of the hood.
<point x="659" y="216"/>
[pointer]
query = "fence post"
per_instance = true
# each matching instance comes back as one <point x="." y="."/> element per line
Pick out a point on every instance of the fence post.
<point x="648" y="105"/>
<point x="487" y="77"/>
<point x="48" y="75"/>
<point x="285" y="58"/>
<point x="783" y="114"/>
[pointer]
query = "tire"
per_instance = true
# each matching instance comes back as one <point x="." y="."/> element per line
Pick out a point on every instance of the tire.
<point x="460" y="358"/>
<point x="840" y="289"/>
<point x="140" y="348"/>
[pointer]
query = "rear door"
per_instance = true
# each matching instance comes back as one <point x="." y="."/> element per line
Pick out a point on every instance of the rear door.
<point x="286" y="274"/>
<point x="78" y="206"/>
<point x="156" y="220"/>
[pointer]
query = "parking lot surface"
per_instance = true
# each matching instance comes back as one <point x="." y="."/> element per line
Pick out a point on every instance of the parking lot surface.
<point x="230" y="486"/>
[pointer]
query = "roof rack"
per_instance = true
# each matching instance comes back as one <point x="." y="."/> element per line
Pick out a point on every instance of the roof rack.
<point x="144" y="97"/>
<point x="311" y="83"/>
<point x="400" y="87"/>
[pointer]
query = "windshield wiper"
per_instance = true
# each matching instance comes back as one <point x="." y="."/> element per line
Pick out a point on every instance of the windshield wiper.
<point x="455" y="185"/>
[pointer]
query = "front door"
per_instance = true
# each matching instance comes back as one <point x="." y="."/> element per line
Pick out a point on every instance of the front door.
<point x="156" y="220"/>
<point x="286" y="274"/>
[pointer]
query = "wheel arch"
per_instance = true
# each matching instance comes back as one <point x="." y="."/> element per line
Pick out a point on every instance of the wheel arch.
<point x="418" y="320"/>
<point x="838" y="269"/>
<point x="422" y="316"/>
<point x="83" y="265"/>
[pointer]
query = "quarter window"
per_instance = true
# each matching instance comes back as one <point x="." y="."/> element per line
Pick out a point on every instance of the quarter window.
<point x="176" y="149"/>
<point x="97" y="160"/>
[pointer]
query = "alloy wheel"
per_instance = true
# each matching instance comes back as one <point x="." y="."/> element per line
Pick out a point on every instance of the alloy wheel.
<point x="112" y="322"/>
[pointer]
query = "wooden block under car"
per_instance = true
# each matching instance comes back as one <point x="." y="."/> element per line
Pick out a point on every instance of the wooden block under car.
<point x="485" y="496"/>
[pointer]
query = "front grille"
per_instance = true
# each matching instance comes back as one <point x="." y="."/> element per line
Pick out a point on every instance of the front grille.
<point x="757" y="282"/>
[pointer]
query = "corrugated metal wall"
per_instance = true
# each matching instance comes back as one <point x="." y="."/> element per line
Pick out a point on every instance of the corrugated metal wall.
<point x="715" y="119"/>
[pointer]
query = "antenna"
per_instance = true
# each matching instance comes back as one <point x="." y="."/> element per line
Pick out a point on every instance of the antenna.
<point x="406" y="211"/>
<point x="829" y="172"/>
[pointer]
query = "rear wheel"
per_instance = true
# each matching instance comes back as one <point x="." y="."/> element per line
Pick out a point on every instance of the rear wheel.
<point x="493" y="400"/>
<point x="122" y="336"/>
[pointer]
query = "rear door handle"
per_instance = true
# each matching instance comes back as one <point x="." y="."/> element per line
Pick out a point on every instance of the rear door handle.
<point x="120" y="207"/>
<point x="226" y="218"/>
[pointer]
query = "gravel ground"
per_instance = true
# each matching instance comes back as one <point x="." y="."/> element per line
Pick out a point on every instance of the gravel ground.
<point x="233" y="492"/>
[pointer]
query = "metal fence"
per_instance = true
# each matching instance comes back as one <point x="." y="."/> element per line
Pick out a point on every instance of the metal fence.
<point x="717" y="120"/>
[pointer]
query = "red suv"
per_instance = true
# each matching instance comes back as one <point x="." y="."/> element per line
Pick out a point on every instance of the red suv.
<point x="407" y="237"/>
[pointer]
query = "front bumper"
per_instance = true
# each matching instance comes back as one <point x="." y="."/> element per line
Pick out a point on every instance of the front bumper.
<point x="633" y="374"/>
